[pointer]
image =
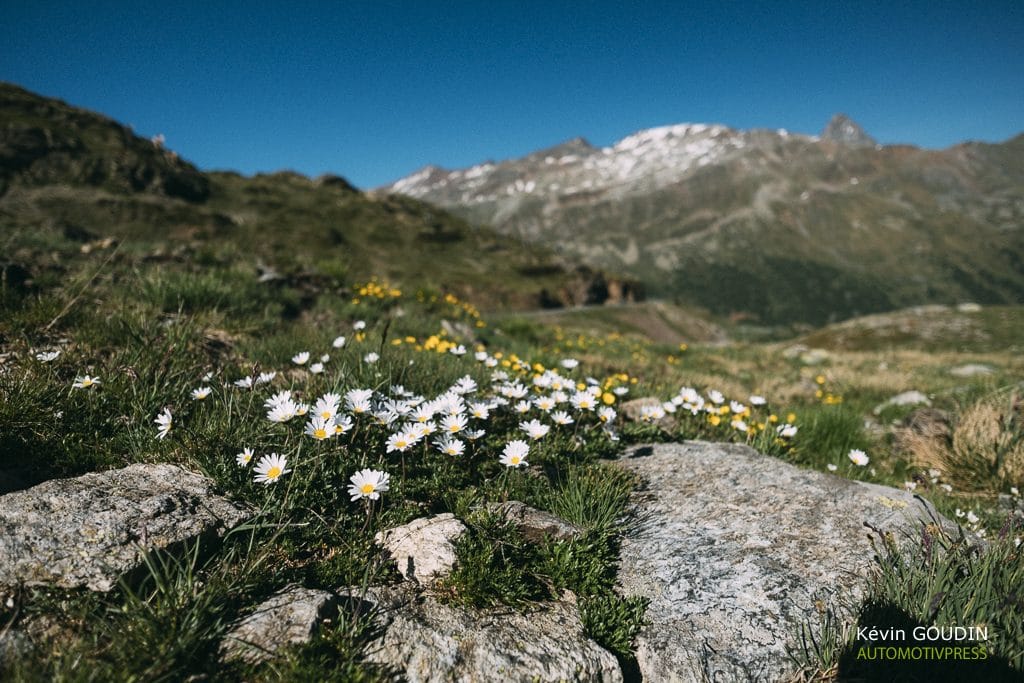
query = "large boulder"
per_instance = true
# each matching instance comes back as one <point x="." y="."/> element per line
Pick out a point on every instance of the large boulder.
<point x="738" y="551"/>
<point x="92" y="530"/>
<point x="427" y="641"/>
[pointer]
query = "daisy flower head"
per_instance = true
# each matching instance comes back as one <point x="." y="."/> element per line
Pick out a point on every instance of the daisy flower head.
<point x="523" y="407"/>
<point x="284" y="411"/>
<point x="544" y="403"/>
<point x="327" y="406"/>
<point x="47" y="356"/>
<point x="583" y="400"/>
<point x="338" y="342"/>
<point x="244" y="383"/>
<point x="450" y="446"/>
<point x="716" y="396"/>
<point x="163" y="421"/>
<point x="359" y="325"/>
<point x="464" y="385"/>
<point x="342" y="425"/>
<point x="972" y="518"/>
<point x="569" y="363"/>
<point x="514" y="453"/>
<point x="85" y="382"/>
<point x="301" y="358"/>
<point x="453" y="424"/>
<point x="481" y="356"/>
<point x="832" y="467"/>
<point x="606" y="414"/>
<point x="560" y="417"/>
<point x="858" y="457"/>
<point x="474" y="434"/>
<point x="320" y="428"/>
<point x="620" y="391"/>
<point x="368" y="484"/>
<point x="270" y="468"/>
<point x="244" y="458"/>
<point x="535" y="429"/>
<point x="756" y="400"/>
<point x="788" y="431"/>
<point x="316" y="368"/>
<point x="358" y="400"/>
<point x="459" y="350"/>
<point x="479" y="410"/>
<point x="401" y="441"/>
<point x="200" y="393"/>
<point x="371" y="358"/>
<point x="266" y="377"/>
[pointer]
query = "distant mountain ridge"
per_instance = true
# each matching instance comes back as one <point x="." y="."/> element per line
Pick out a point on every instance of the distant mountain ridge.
<point x="67" y="173"/>
<point x="770" y="225"/>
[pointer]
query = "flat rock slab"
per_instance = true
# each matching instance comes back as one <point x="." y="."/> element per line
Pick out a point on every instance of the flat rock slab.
<point x="429" y="642"/>
<point x="736" y="550"/>
<point x="289" y="617"/>
<point x="423" y="549"/>
<point x="91" y="530"/>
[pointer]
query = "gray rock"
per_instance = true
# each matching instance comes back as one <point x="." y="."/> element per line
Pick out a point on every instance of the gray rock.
<point x="426" y="641"/>
<point x="91" y="530"/>
<point x="14" y="645"/>
<point x="289" y="617"/>
<point x="423" y="549"/>
<point x="737" y="550"/>
<point x="636" y="409"/>
<point x="534" y="524"/>
<point x="972" y="370"/>
<point x="907" y="398"/>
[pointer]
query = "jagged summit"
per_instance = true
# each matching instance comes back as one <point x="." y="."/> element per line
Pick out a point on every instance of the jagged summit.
<point x="841" y="128"/>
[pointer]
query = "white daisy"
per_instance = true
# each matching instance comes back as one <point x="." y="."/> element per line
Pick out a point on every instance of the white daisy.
<point x="200" y="393"/>
<point x="47" y="356"/>
<point x="244" y="458"/>
<point x="368" y="484"/>
<point x="560" y="417"/>
<point x="858" y="457"/>
<point x="535" y="429"/>
<point x="301" y="358"/>
<point x="85" y="382"/>
<point x="569" y="363"/>
<point x="371" y="358"/>
<point x="359" y="325"/>
<point x="316" y="368"/>
<point x="163" y="421"/>
<point x="338" y="342"/>
<point x="831" y="467"/>
<point x="320" y="428"/>
<point x="514" y="453"/>
<point x="270" y="468"/>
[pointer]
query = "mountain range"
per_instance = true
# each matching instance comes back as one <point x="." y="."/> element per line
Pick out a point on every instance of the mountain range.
<point x="765" y="225"/>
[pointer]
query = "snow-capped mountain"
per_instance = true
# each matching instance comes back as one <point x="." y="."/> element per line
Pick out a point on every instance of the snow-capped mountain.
<point x="764" y="223"/>
<point x="644" y="161"/>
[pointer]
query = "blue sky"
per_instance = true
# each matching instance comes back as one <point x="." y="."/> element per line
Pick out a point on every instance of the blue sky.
<point x="374" y="90"/>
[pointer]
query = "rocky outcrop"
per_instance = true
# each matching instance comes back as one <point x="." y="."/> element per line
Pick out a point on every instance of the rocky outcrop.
<point x="423" y="549"/>
<point x="737" y="551"/>
<point x="425" y="640"/>
<point x="841" y="128"/>
<point x="45" y="142"/>
<point x="91" y="530"/>
<point x="289" y="617"/>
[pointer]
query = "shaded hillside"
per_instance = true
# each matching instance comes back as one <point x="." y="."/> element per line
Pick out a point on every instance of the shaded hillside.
<point x="68" y="174"/>
<point x="765" y="225"/>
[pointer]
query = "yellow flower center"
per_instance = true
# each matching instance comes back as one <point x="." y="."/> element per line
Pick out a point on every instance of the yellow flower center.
<point x="274" y="473"/>
<point x="367" y="489"/>
<point x="320" y="434"/>
<point x="514" y="460"/>
<point x="326" y="415"/>
<point x="400" y="444"/>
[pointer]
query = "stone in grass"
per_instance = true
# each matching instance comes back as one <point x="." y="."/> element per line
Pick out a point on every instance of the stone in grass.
<point x="972" y="370"/>
<point x="737" y="551"/>
<point x="289" y="617"/>
<point x="423" y="549"/>
<point x="91" y="530"/>
<point x="536" y="525"/>
<point x="427" y="641"/>
<point x="907" y="398"/>
<point x="640" y="409"/>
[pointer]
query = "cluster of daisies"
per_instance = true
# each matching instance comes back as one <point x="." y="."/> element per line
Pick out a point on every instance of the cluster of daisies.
<point x="529" y="401"/>
<point x="747" y="419"/>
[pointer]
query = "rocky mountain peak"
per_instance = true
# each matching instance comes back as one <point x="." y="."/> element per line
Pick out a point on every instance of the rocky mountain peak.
<point x="841" y="128"/>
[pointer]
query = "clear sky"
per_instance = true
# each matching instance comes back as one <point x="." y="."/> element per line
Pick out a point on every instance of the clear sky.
<point x="374" y="90"/>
